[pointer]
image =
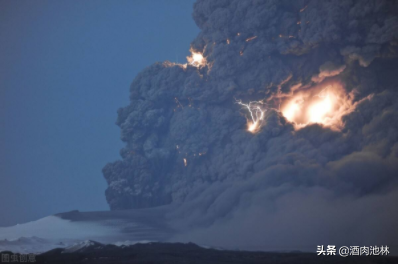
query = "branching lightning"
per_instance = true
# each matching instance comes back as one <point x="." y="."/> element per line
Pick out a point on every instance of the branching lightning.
<point x="257" y="114"/>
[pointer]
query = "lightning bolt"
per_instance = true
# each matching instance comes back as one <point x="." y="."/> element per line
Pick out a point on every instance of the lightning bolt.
<point x="257" y="114"/>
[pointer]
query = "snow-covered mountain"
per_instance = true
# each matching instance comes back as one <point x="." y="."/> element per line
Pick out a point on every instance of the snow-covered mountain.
<point x="76" y="230"/>
<point x="83" y="246"/>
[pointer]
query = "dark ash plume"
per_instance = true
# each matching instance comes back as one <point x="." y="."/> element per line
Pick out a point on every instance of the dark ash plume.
<point x="187" y="143"/>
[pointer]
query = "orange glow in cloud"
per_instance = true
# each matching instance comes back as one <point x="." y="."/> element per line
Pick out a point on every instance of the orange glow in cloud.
<point x="196" y="59"/>
<point x="323" y="104"/>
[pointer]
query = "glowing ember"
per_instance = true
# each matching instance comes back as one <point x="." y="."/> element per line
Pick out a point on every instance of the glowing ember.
<point x="250" y="39"/>
<point x="324" y="105"/>
<point x="196" y="59"/>
<point x="302" y="9"/>
<point x="257" y="114"/>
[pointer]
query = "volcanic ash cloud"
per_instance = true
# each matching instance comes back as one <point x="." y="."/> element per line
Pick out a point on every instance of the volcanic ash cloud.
<point x="321" y="165"/>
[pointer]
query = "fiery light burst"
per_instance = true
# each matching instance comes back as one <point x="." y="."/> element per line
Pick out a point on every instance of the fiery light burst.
<point x="324" y="104"/>
<point x="196" y="59"/>
<point x="257" y="114"/>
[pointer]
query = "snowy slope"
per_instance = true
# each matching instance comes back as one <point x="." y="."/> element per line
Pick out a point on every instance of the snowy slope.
<point x="82" y="246"/>
<point x="73" y="230"/>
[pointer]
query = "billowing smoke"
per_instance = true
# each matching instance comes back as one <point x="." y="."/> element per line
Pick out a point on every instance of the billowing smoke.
<point x="321" y="167"/>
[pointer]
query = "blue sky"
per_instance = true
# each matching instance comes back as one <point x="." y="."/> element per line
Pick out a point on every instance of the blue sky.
<point x="65" y="68"/>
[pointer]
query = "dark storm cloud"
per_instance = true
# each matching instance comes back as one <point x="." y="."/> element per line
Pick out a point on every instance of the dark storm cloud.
<point x="187" y="144"/>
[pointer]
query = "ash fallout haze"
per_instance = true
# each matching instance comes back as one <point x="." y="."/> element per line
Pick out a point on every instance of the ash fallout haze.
<point x="278" y="132"/>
